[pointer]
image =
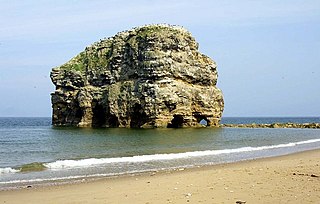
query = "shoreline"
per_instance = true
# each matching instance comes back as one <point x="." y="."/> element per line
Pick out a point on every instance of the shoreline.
<point x="228" y="158"/>
<point x="287" y="178"/>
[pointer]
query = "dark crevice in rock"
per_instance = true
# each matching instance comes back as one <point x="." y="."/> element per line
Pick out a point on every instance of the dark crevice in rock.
<point x="79" y="114"/>
<point x="176" y="122"/>
<point x="113" y="121"/>
<point x="138" y="117"/>
<point x="98" y="116"/>
<point x="170" y="106"/>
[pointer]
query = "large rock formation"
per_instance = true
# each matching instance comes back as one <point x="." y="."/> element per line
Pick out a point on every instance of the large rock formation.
<point x="151" y="76"/>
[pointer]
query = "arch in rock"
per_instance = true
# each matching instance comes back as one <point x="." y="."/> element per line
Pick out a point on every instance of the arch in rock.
<point x="201" y="119"/>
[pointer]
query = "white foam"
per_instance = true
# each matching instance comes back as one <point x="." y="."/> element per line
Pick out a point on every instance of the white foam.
<point x="69" y="164"/>
<point x="7" y="170"/>
<point x="308" y="141"/>
<point x="42" y="180"/>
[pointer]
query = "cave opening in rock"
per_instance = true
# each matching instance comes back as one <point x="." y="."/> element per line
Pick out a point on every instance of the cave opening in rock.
<point x="98" y="115"/>
<point x="113" y="121"/>
<point x="78" y="115"/>
<point x="138" y="116"/>
<point x="176" y="122"/>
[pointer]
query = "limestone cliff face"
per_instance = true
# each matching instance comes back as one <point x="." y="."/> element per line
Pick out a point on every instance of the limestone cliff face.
<point x="151" y="76"/>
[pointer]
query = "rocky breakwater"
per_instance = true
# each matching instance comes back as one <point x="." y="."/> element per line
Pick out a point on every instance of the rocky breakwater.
<point x="150" y="76"/>
<point x="274" y="125"/>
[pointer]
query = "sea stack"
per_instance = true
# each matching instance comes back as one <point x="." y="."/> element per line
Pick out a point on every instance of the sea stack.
<point x="148" y="77"/>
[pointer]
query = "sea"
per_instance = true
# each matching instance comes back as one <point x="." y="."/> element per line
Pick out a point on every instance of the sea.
<point x="33" y="152"/>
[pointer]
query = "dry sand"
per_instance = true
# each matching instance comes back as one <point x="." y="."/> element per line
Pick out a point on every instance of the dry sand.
<point x="286" y="179"/>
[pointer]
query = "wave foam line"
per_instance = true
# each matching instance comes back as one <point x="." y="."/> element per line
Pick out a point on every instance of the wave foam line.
<point x="8" y="170"/>
<point x="68" y="164"/>
<point x="67" y="178"/>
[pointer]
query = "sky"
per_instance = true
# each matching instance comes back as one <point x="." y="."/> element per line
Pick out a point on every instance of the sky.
<point x="267" y="51"/>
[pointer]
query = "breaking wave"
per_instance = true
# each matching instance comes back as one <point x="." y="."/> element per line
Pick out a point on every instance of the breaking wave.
<point x="92" y="162"/>
<point x="8" y="170"/>
<point x="68" y="164"/>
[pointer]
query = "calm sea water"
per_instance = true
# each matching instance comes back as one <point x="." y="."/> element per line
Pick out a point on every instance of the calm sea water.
<point x="33" y="152"/>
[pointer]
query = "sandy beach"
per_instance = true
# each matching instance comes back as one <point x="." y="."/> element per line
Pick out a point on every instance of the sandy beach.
<point x="286" y="179"/>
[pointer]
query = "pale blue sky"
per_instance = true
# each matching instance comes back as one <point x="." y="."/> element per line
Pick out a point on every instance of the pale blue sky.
<point x="267" y="51"/>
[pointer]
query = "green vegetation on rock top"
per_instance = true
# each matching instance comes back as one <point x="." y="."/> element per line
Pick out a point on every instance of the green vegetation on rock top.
<point x="99" y="54"/>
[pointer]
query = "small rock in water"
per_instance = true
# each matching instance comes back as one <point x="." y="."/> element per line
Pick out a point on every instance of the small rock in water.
<point x="29" y="186"/>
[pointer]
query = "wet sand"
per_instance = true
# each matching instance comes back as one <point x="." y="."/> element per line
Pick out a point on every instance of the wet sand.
<point x="292" y="178"/>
